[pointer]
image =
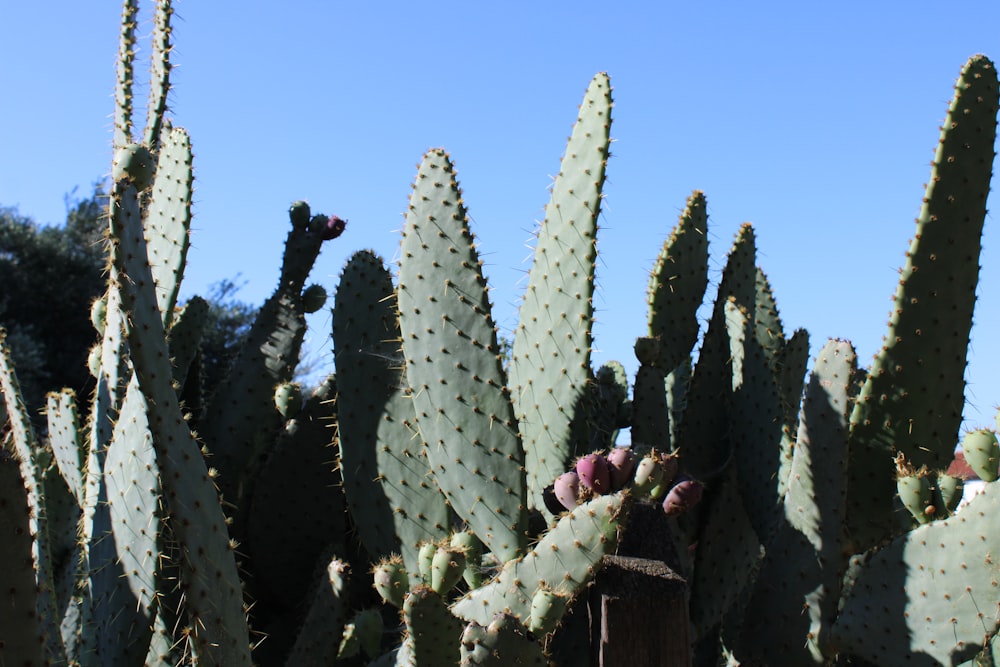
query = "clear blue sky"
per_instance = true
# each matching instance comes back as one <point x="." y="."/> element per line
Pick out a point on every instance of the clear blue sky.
<point x="814" y="121"/>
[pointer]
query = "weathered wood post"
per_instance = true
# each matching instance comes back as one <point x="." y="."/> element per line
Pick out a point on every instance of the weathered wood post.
<point x="638" y="603"/>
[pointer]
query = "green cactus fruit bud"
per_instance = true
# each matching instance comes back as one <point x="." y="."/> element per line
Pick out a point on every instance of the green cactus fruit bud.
<point x="467" y="541"/>
<point x="982" y="453"/>
<point x="299" y="214"/>
<point x="915" y="494"/>
<point x="350" y="643"/>
<point x="447" y="568"/>
<point x="948" y="492"/>
<point x="288" y="399"/>
<point x="425" y="560"/>
<point x="313" y="298"/>
<point x="391" y="581"/>
<point x="368" y="627"/>
<point x="647" y="350"/>
<point x="99" y="314"/>
<point x="94" y="361"/>
<point x="135" y="163"/>
<point x="670" y="464"/>
<point x="547" y="609"/>
<point x="648" y="475"/>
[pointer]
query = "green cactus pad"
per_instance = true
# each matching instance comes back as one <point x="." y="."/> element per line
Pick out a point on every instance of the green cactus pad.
<point x="298" y="510"/>
<point x="318" y="640"/>
<point x="563" y="561"/>
<point x="453" y="364"/>
<point x="677" y="284"/>
<point x="21" y="638"/>
<point x="134" y="164"/>
<point x="159" y="73"/>
<point x="168" y="219"/>
<point x="125" y="74"/>
<point x="913" y="398"/>
<point x="929" y="597"/>
<point x="22" y="441"/>
<point x="792" y="362"/>
<point x="213" y="592"/>
<point x="432" y="633"/>
<point x="726" y="555"/>
<point x="550" y="360"/>
<point x="755" y="430"/>
<point x="394" y="501"/>
<point x="788" y="616"/>
<point x="65" y="440"/>
<point x="704" y="432"/>
<point x="132" y="477"/>
<point x="244" y="420"/>
<point x="650" y="414"/>
<point x="503" y="642"/>
<point x="184" y="338"/>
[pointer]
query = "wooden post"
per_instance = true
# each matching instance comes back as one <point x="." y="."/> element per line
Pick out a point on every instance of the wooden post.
<point x="638" y="603"/>
<point x="638" y="615"/>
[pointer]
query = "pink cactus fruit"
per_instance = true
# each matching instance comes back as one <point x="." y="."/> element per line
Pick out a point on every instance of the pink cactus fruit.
<point x="684" y="495"/>
<point x="594" y="473"/>
<point x="566" y="487"/>
<point x="621" y="464"/>
<point x="333" y="228"/>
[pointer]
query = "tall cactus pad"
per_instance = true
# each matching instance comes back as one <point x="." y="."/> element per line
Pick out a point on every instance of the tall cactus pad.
<point x="463" y="409"/>
<point x="677" y="285"/>
<point x="208" y="568"/>
<point x="159" y="75"/>
<point x="64" y="437"/>
<point x="394" y="501"/>
<point x="913" y="399"/>
<point x="131" y="474"/>
<point x="21" y="641"/>
<point x="124" y="101"/>
<point x="550" y="360"/>
<point x="930" y="597"/>
<point x="703" y="436"/>
<point x="168" y="219"/>
<point x="22" y="441"/>
<point x="564" y="561"/>
<point x="798" y="587"/>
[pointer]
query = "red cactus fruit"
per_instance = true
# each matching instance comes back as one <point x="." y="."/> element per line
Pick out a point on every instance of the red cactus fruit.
<point x="684" y="495"/>
<point x="621" y="464"/>
<point x="334" y="227"/>
<point x="566" y="486"/>
<point x="594" y="473"/>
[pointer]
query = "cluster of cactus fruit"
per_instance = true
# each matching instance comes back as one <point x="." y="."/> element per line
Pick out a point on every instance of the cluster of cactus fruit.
<point x="654" y="475"/>
<point x="471" y="502"/>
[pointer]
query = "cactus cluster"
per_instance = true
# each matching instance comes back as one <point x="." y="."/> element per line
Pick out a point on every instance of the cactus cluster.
<point x="429" y="505"/>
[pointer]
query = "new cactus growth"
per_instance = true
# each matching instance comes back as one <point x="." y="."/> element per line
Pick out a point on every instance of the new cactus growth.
<point x="982" y="453"/>
<point x="135" y="163"/>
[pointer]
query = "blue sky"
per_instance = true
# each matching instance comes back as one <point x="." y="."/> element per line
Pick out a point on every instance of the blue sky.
<point x="814" y="121"/>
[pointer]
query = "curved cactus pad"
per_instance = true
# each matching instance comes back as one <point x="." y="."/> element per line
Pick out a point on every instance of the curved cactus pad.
<point x="564" y="561"/>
